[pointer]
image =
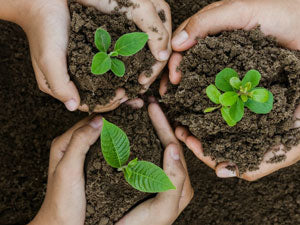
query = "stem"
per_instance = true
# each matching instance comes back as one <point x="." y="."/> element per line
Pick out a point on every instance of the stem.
<point x="122" y="168"/>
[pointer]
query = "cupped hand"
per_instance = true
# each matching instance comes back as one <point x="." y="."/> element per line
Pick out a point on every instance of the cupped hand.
<point x="278" y="18"/>
<point x="265" y="168"/>
<point x="165" y="207"/>
<point x="144" y="13"/>
<point x="65" y="201"/>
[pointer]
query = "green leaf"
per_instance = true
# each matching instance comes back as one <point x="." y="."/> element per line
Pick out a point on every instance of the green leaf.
<point x="117" y="67"/>
<point x="213" y="93"/>
<point x="223" y="79"/>
<point x="102" y="40"/>
<point x="260" y="95"/>
<point x="226" y="116"/>
<point x="252" y="76"/>
<point x="210" y="109"/>
<point x="101" y="63"/>
<point x="235" y="82"/>
<point x="228" y="98"/>
<point x="247" y="87"/>
<point x="114" y="145"/>
<point x="244" y="98"/>
<point x="261" y="108"/>
<point x="133" y="162"/>
<point x="129" y="44"/>
<point x="236" y="111"/>
<point x="148" y="177"/>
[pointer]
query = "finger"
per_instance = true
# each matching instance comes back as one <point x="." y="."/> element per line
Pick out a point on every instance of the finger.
<point x="40" y="78"/>
<point x="53" y="66"/>
<point x="161" y="125"/>
<point x="174" y="74"/>
<point x="226" y="170"/>
<point x="81" y="140"/>
<point x="195" y="145"/>
<point x="105" y="6"/>
<point x="135" y="103"/>
<point x="169" y="200"/>
<point x="228" y="16"/>
<point x="266" y="167"/>
<point x="113" y="104"/>
<point x="164" y="84"/>
<point x="297" y="117"/>
<point x="147" y="19"/>
<point x="163" y="129"/>
<point x="146" y="81"/>
<point x="60" y="144"/>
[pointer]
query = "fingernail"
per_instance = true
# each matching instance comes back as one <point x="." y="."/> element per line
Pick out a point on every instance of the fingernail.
<point x="96" y="122"/>
<point x="174" y="154"/>
<point x="163" y="55"/>
<point x="226" y="173"/>
<point x="123" y="100"/>
<point x="71" y="105"/>
<point x="180" y="38"/>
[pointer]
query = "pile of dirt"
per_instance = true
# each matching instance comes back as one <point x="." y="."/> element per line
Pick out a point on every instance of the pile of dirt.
<point x="108" y="194"/>
<point x="100" y="89"/>
<point x="246" y="143"/>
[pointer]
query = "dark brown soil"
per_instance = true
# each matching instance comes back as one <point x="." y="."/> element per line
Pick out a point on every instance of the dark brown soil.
<point x="246" y="143"/>
<point x="30" y="119"/>
<point x="108" y="194"/>
<point x="100" y="89"/>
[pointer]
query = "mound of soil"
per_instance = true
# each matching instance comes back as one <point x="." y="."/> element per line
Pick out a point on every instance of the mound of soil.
<point x="246" y="143"/>
<point x="109" y="196"/>
<point x="100" y="89"/>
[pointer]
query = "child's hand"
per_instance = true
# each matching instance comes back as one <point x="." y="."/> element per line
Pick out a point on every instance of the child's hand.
<point x="278" y="18"/>
<point x="145" y="15"/>
<point x="265" y="168"/>
<point x="65" y="201"/>
<point x="165" y="207"/>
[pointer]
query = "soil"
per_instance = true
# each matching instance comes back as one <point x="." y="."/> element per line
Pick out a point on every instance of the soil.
<point x="246" y="143"/>
<point x="100" y="89"/>
<point x="30" y="120"/>
<point x="106" y="189"/>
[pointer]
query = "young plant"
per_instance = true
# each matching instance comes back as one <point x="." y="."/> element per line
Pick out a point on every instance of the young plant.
<point x="238" y="94"/>
<point x="126" y="45"/>
<point x="141" y="175"/>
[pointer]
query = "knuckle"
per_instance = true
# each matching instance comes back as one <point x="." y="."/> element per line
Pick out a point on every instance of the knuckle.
<point x="54" y="142"/>
<point x="80" y="136"/>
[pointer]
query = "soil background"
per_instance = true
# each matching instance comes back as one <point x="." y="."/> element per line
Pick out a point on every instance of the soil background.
<point x="30" y="120"/>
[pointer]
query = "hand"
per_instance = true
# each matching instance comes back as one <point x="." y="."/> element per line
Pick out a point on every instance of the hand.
<point x="165" y="207"/>
<point x="145" y="15"/>
<point x="65" y="201"/>
<point x="278" y="18"/>
<point x="265" y="168"/>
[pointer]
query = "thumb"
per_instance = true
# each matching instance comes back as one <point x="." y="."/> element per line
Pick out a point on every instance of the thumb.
<point x="81" y="140"/>
<point x="224" y="15"/>
<point x="173" y="167"/>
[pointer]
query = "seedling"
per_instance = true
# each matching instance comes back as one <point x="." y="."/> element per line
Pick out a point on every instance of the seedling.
<point x="126" y="45"/>
<point x="141" y="175"/>
<point x="238" y="94"/>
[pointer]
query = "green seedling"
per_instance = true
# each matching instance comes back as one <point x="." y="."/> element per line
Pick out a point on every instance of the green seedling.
<point x="238" y="94"/>
<point x="141" y="175"/>
<point x="126" y="45"/>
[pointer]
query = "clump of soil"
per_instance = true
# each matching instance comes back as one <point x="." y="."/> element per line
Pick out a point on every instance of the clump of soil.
<point x="100" y="89"/>
<point x="109" y="196"/>
<point x="246" y="143"/>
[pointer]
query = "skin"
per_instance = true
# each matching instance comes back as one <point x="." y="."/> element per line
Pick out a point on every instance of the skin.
<point x="280" y="19"/>
<point x="65" y="201"/>
<point x="46" y="24"/>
